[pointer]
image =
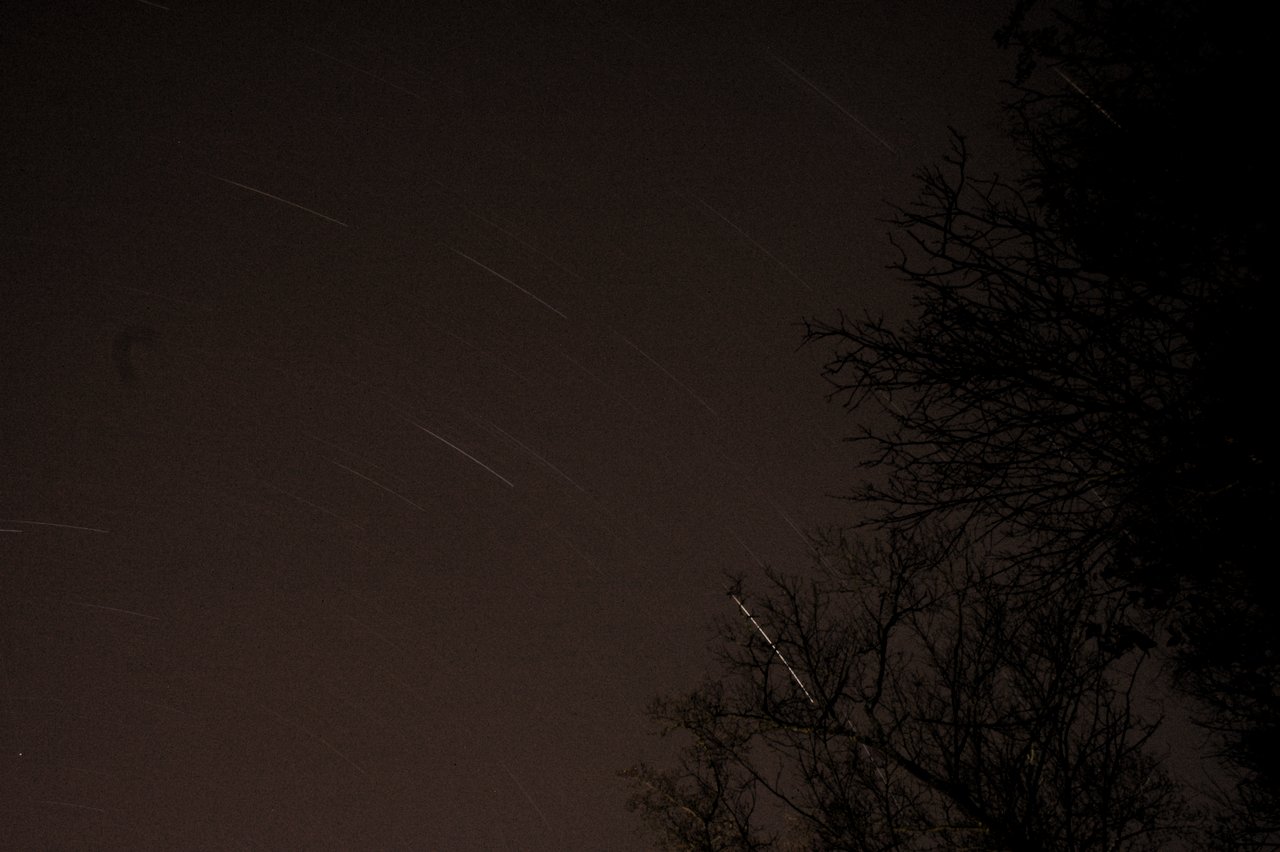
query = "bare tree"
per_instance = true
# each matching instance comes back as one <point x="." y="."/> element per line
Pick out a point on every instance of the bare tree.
<point x="914" y="695"/>
<point x="1107" y="91"/>
<point x="1028" y="396"/>
<point x="1075" y="398"/>
<point x="1079" y="380"/>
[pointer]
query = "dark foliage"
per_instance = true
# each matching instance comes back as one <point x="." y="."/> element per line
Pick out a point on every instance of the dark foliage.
<point x="1070" y="458"/>
<point x="1081" y="378"/>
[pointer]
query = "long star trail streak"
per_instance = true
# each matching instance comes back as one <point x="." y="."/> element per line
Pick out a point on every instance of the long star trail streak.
<point x="833" y="102"/>
<point x="584" y="557"/>
<point x="315" y="506"/>
<point x="760" y="493"/>
<point x="370" y="464"/>
<point x="599" y="381"/>
<point x="494" y="272"/>
<point x="50" y="524"/>
<point x="750" y="239"/>
<point x="390" y="491"/>
<point x="788" y="520"/>
<point x="72" y="804"/>
<point x="566" y="477"/>
<point x="173" y="299"/>
<point x="510" y="234"/>
<point x="508" y="482"/>
<point x="668" y="373"/>
<point x="115" y="609"/>
<point x="376" y="634"/>
<point x="526" y="795"/>
<point x="745" y="547"/>
<point x="281" y="200"/>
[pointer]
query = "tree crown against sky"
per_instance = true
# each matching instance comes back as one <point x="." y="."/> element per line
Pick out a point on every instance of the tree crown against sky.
<point x="1078" y="377"/>
<point x="912" y="694"/>
<point x="1072" y="396"/>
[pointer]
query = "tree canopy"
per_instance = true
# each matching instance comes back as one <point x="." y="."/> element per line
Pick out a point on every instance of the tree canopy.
<point x="1068" y="463"/>
<point x="1081" y="374"/>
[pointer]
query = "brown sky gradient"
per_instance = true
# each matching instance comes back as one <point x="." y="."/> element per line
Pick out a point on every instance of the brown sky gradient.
<point x="387" y="388"/>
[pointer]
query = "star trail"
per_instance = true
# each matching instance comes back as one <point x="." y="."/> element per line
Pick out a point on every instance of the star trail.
<point x="459" y="368"/>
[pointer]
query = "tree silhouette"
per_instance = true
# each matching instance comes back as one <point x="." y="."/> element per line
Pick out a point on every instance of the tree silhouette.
<point x="1024" y="394"/>
<point x="1068" y="463"/>
<point x="914" y="695"/>
<point x="1079" y="381"/>
<point x="1131" y="190"/>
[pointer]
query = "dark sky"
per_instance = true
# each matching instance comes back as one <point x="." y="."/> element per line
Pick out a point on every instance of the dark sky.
<point x="387" y="389"/>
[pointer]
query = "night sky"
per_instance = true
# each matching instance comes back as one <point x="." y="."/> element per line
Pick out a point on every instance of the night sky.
<point x="388" y="388"/>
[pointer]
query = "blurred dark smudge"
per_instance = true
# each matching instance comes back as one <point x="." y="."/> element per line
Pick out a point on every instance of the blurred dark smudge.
<point x="122" y="348"/>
